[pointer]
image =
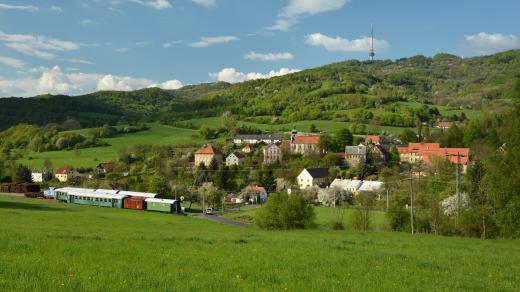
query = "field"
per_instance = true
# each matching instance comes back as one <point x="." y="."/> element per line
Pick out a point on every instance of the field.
<point x="49" y="246"/>
<point x="157" y="135"/>
<point x="324" y="217"/>
<point x="302" y="126"/>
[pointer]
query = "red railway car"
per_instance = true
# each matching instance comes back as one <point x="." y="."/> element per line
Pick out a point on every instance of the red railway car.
<point x="136" y="203"/>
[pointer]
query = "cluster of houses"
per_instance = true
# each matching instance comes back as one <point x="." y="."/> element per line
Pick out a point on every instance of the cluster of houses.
<point x="65" y="174"/>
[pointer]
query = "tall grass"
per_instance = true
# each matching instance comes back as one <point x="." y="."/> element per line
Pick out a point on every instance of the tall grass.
<point x="49" y="246"/>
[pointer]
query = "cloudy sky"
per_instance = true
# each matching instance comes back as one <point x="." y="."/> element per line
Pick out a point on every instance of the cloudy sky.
<point x="80" y="46"/>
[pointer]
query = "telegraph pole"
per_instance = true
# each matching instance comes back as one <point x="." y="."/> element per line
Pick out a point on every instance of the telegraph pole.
<point x="411" y="200"/>
<point x="457" y="191"/>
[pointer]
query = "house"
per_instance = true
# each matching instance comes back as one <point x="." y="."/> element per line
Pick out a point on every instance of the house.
<point x="247" y="148"/>
<point x="443" y="125"/>
<point x="64" y="174"/>
<point x="256" y="194"/>
<point x="305" y="144"/>
<point x="428" y="152"/>
<point x="206" y="154"/>
<point x="312" y="177"/>
<point x="235" y="158"/>
<point x="373" y="140"/>
<point x="272" y="154"/>
<point x="376" y="154"/>
<point x="105" y="167"/>
<point x="37" y="176"/>
<point x="349" y="185"/>
<point x="256" y="139"/>
<point x="355" y="155"/>
<point x="357" y="186"/>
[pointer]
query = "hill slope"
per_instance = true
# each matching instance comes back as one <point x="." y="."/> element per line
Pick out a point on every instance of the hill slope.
<point x="480" y="82"/>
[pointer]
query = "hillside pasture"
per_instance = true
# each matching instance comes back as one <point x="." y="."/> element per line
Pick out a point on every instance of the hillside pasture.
<point x="50" y="246"/>
<point x="157" y="135"/>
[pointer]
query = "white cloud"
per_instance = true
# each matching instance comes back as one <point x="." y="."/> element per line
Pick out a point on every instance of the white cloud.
<point x="156" y="4"/>
<point x="28" y="50"/>
<point x="269" y="56"/>
<point x="122" y="50"/>
<point x="169" y="44"/>
<point x="296" y="9"/>
<point x="206" y="3"/>
<point x="29" y="8"/>
<point x="339" y="44"/>
<point x="57" y="81"/>
<point x="170" y="84"/>
<point x="485" y="43"/>
<point x="210" y="41"/>
<point x="15" y="63"/>
<point x="231" y="75"/>
<point x="87" y="22"/>
<point x="79" y="61"/>
<point x="56" y="9"/>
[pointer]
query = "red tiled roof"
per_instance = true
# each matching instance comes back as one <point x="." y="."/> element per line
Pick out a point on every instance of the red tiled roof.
<point x="428" y="152"/>
<point x="64" y="170"/>
<point x="373" y="138"/>
<point x="444" y="124"/>
<point x="107" y="165"/>
<point x="208" y="149"/>
<point x="307" y="139"/>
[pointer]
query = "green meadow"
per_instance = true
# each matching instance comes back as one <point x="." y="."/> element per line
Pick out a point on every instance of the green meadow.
<point x="47" y="246"/>
<point x="157" y="135"/>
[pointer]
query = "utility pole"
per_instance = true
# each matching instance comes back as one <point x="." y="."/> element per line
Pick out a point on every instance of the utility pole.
<point x="411" y="200"/>
<point x="387" y="199"/>
<point x="457" y="190"/>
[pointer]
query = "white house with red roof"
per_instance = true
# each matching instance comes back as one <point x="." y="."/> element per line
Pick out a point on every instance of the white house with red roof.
<point x="65" y="173"/>
<point x="206" y="154"/>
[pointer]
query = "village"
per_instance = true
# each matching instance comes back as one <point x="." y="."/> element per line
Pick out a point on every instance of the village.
<point x="355" y="170"/>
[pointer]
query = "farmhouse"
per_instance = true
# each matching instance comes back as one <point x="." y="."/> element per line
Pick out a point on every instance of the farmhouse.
<point x="235" y="158"/>
<point x="355" y="155"/>
<point x="206" y="154"/>
<point x="443" y="125"/>
<point x="357" y="186"/>
<point x="105" y="167"/>
<point x="305" y="144"/>
<point x="373" y="140"/>
<point x="312" y="177"/>
<point x="256" y="139"/>
<point x="254" y="193"/>
<point x="428" y="152"/>
<point x="64" y="174"/>
<point x="272" y="154"/>
<point x="37" y="176"/>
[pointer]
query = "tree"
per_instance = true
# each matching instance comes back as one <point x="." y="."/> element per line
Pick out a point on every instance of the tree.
<point x="22" y="174"/>
<point x="282" y="212"/>
<point x="361" y="216"/>
<point x="313" y="128"/>
<point x="342" y="138"/>
<point x="159" y="185"/>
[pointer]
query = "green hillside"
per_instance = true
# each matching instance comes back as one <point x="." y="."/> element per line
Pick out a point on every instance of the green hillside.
<point x="48" y="246"/>
<point x="479" y="83"/>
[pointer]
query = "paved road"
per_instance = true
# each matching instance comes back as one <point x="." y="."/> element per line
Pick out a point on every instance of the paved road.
<point x="225" y="220"/>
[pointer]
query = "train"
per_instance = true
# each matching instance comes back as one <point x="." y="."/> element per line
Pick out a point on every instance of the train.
<point x="27" y="189"/>
<point x="118" y="199"/>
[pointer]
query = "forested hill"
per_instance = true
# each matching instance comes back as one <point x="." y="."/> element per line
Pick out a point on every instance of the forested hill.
<point x="322" y="93"/>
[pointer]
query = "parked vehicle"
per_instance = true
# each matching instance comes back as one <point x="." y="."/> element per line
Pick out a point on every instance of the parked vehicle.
<point x="208" y="211"/>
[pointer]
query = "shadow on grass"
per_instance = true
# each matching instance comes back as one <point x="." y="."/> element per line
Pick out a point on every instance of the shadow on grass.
<point x="30" y="207"/>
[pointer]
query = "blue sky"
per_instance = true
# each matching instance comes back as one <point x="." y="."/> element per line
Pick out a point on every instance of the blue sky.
<point x="80" y="46"/>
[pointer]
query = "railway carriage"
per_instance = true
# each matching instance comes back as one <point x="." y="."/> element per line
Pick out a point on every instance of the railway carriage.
<point x="164" y="205"/>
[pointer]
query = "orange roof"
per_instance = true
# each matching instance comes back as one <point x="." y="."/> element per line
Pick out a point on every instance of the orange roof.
<point x="64" y="170"/>
<point x="444" y="124"/>
<point x="430" y="150"/>
<point x="208" y="149"/>
<point x="373" y="138"/>
<point x="315" y="139"/>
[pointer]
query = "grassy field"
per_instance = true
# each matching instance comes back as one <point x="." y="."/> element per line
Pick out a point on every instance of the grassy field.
<point x="302" y="126"/>
<point x="324" y="217"/>
<point x="46" y="246"/>
<point x="157" y="135"/>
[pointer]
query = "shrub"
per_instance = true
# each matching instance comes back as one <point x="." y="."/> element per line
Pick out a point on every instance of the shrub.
<point x="282" y="212"/>
<point x="398" y="217"/>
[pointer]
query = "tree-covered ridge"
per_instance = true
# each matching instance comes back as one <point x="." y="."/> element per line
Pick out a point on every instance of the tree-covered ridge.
<point x="330" y="92"/>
